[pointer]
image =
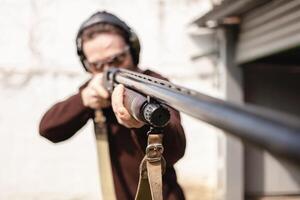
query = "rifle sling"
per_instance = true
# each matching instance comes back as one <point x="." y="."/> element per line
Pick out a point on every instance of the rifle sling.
<point x="104" y="162"/>
<point x="151" y="169"/>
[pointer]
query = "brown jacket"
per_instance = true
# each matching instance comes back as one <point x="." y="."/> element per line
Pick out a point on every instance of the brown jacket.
<point x="127" y="146"/>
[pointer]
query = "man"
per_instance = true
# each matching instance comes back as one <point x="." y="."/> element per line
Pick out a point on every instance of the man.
<point x="104" y="41"/>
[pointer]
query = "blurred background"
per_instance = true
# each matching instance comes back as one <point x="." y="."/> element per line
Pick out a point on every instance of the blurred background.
<point x="225" y="49"/>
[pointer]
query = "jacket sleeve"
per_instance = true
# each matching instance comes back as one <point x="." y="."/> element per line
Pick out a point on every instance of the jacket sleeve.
<point x="174" y="140"/>
<point x="64" y="119"/>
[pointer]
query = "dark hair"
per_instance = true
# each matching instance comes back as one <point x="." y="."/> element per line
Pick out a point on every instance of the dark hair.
<point x="91" y="32"/>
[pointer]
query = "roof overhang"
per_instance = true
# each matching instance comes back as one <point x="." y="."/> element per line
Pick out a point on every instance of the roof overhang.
<point x="228" y="12"/>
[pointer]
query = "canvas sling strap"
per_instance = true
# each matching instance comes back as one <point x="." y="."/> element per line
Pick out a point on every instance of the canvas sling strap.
<point x="151" y="169"/>
<point x="104" y="163"/>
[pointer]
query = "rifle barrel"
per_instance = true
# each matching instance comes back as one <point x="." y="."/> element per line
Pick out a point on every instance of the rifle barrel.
<point x="276" y="132"/>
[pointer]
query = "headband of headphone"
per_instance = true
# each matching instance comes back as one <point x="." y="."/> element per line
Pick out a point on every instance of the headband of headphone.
<point x="108" y="18"/>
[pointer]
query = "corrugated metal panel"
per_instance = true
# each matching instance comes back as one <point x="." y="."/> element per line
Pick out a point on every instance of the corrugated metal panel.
<point x="269" y="29"/>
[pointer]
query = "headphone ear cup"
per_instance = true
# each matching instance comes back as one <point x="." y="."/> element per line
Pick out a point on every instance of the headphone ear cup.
<point x="84" y="62"/>
<point x="135" y="46"/>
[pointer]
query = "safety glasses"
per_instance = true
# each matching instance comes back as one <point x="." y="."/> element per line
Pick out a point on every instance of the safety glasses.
<point x="114" y="60"/>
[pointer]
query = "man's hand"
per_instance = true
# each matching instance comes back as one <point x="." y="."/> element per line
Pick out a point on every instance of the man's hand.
<point x="121" y="112"/>
<point x="95" y="95"/>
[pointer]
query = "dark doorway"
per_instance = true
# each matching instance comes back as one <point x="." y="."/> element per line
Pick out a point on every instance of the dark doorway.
<point x="274" y="82"/>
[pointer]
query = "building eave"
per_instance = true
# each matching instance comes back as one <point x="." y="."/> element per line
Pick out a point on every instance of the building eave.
<point x="229" y="8"/>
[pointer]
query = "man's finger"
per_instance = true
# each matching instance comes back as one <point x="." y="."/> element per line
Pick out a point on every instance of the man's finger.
<point x="92" y="92"/>
<point x="117" y="98"/>
<point x="124" y="114"/>
<point x="118" y="105"/>
<point x="101" y="91"/>
<point x="96" y="84"/>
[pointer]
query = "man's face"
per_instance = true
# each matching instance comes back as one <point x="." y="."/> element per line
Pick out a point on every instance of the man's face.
<point x="106" y="50"/>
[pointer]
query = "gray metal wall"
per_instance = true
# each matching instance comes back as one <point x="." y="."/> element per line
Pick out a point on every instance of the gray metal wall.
<point x="269" y="29"/>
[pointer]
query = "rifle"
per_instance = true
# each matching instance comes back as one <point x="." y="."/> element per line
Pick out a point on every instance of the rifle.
<point x="147" y="99"/>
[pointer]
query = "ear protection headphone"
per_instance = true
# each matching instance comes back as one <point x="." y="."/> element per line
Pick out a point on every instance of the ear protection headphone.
<point x="108" y="18"/>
